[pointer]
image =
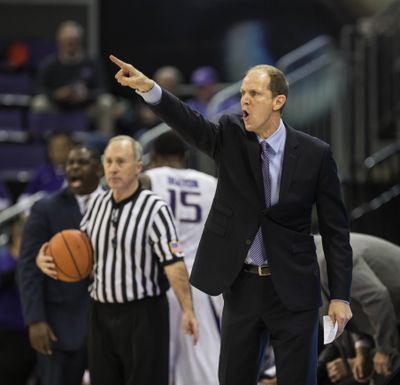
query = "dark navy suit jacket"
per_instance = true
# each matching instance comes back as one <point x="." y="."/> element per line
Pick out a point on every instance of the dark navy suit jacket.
<point x="309" y="177"/>
<point x="64" y="306"/>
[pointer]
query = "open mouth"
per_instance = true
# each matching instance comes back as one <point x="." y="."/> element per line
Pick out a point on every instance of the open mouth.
<point x="245" y="114"/>
<point x="75" y="181"/>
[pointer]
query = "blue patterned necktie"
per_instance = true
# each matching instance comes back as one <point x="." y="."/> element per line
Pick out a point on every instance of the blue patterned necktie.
<point x="257" y="251"/>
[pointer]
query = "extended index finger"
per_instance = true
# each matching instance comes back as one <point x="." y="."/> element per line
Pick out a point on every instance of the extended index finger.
<point x="121" y="64"/>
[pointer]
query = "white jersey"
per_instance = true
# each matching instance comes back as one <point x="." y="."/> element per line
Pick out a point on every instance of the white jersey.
<point x="189" y="194"/>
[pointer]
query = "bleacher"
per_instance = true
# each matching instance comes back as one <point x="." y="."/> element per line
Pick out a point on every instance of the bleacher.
<point x="346" y="93"/>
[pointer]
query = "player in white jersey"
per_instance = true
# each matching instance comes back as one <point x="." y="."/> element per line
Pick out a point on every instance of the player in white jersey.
<point x="190" y="194"/>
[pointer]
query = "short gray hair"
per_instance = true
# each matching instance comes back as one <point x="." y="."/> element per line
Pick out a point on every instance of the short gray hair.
<point x="136" y="146"/>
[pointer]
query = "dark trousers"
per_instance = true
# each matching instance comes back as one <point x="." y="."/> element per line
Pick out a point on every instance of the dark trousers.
<point x="129" y="343"/>
<point x="17" y="358"/>
<point x="62" y="368"/>
<point x="251" y="308"/>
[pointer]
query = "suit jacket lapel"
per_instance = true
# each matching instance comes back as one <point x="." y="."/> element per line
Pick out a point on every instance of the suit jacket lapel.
<point x="72" y="207"/>
<point x="289" y="161"/>
<point x="253" y="150"/>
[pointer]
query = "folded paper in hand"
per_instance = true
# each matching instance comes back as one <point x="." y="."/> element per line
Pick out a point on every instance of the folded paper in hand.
<point x="330" y="329"/>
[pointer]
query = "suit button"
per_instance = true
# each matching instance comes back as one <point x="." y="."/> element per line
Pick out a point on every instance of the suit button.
<point x="248" y="241"/>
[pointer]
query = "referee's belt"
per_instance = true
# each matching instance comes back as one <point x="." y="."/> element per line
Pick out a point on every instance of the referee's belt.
<point x="261" y="271"/>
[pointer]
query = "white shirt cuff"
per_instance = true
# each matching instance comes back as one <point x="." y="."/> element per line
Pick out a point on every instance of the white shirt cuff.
<point x="341" y="300"/>
<point x="362" y="343"/>
<point x="152" y="96"/>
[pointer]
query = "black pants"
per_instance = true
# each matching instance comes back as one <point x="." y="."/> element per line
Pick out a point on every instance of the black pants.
<point x="252" y="308"/>
<point x="129" y="343"/>
<point x="17" y="358"/>
<point x="62" y="368"/>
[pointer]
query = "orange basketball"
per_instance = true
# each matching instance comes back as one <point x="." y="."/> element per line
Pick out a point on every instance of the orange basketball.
<point x="72" y="253"/>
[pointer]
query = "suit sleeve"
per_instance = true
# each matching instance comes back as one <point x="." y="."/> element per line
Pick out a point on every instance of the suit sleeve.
<point x="334" y="229"/>
<point x="375" y="301"/>
<point x="189" y="124"/>
<point x="31" y="279"/>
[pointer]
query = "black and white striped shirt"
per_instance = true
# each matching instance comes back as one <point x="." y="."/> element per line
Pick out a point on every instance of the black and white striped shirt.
<point x="132" y="240"/>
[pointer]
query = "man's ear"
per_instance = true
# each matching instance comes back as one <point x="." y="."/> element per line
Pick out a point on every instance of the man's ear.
<point x="279" y="102"/>
<point x="145" y="181"/>
<point x="139" y="167"/>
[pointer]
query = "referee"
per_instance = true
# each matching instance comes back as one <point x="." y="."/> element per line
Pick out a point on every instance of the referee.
<point x="136" y="256"/>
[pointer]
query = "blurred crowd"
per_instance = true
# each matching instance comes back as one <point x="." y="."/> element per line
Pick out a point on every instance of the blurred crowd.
<point x="70" y="101"/>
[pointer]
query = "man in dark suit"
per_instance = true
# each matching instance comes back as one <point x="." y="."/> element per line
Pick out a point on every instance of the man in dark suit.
<point x="256" y="247"/>
<point x="56" y="312"/>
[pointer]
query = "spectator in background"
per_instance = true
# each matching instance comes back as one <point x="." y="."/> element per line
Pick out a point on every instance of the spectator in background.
<point x="71" y="81"/>
<point x="205" y="81"/>
<point x="375" y="294"/>
<point x="170" y="79"/>
<point x="17" y="359"/>
<point x="50" y="176"/>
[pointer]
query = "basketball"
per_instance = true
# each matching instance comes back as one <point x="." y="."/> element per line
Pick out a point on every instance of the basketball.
<point x="72" y="253"/>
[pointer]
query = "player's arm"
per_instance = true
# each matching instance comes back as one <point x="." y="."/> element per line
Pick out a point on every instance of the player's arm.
<point x="166" y="246"/>
<point x="179" y="280"/>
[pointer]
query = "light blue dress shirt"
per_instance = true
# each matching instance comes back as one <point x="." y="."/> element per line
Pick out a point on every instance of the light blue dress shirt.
<point x="277" y="143"/>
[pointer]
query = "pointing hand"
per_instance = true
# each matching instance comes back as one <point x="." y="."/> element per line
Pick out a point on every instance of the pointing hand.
<point x="129" y="76"/>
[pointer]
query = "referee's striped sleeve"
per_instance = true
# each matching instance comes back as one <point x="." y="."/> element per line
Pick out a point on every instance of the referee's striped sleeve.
<point x="164" y="237"/>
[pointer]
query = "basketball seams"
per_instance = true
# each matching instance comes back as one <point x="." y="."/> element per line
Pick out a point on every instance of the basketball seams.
<point x="89" y="251"/>
<point x="69" y="277"/>
<point x="73" y="257"/>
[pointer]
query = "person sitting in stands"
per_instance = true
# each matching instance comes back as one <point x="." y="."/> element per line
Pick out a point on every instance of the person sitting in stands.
<point x="70" y="81"/>
<point x="49" y="177"/>
<point x="205" y="81"/>
<point x="170" y="78"/>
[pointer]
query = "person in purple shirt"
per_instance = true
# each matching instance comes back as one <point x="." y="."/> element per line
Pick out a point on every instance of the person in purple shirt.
<point x="17" y="358"/>
<point x="205" y="81"/>
<point x="50" y="176"/>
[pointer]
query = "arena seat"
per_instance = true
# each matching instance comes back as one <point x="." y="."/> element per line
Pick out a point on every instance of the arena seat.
<point x="19" y="160"/>
<point x="41" y="124"/>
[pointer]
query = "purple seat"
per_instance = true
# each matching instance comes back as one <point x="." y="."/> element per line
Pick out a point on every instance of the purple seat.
<point x="41" y="124"/>
<point x="40" y="49"/>
<point x="18" y="161"/>
<point x="11" y="120"/>
<point x="16" y="84"/>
